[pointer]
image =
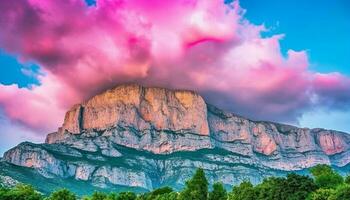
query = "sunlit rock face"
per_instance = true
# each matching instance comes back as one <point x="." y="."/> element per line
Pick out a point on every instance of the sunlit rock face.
<point x="148" y="137"/>
<point x="331" y="142"/>
<point x="141" y="108"/>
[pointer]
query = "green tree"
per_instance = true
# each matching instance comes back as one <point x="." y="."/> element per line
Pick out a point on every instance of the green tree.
<point x="142" y="196"/>
<point x="112" y="196"/>
<point x="321" y="169"/>
<point x="341" y="193"/>
<point x="292" y="187"/>
<point x="98" y="196"/>
<point x="347" y="179"/>
<point x="244" y="191"/>
<point x="3" y="192"/>
<point x="20" y="192"/>
<point x="270" y="189"/>
<point x="218" y="192"/>
<point x="167" y="196"/>
<point x="297" y="187"/>
<point x="326" y="177"/>
<point x="154" y="194"/>
<point x="163" y="190"/>
<point x="62" y="194"/>
<point x="321" y="194"/>
<point x="126" y="196"/>
<point x="196" y="188"/>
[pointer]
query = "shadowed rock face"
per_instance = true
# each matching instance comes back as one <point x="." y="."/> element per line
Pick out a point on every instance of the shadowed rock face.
<point x="166" y="124"/>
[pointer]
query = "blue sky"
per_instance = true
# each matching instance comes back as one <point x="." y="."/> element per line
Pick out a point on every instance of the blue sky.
<point x="321" y="27"/>
<point x="12" y="71"/>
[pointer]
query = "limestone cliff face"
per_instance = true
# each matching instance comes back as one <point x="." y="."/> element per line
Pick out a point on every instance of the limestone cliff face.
<point x="180" y="132"/>
<point x="141" y="108"/>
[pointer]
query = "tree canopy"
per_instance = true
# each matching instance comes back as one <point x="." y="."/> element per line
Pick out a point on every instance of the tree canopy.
<point x="326" y="177"/>
<point x="196" y="188"/>
<point x="218" y="192"/>
<point x="63" y="194"/>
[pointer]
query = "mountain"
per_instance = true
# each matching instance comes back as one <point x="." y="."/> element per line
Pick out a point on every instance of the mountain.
<point x="141" y="138"/>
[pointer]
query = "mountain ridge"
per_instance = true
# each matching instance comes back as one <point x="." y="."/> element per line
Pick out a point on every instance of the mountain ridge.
<point x="171" y="133"/>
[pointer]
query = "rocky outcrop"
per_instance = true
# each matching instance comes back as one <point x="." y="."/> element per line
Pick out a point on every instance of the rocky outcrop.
<point x="7" y="181"/>
<point x="148" y="137"/>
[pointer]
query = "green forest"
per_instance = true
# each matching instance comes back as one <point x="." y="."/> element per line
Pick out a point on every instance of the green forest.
<point x="322" y="184"/>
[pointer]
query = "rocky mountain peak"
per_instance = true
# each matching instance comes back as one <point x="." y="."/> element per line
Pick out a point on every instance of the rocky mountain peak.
<point x="156" y="119"/>
<point x="148" y="137"/>
<point x="140" y="107"/>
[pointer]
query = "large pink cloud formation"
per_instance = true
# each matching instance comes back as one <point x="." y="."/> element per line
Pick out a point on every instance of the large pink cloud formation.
<point x="202" y="45"/>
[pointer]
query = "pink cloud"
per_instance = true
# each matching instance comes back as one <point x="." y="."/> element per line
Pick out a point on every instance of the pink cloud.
<point x="201" y="45"/>
<point x="40" y="107"/>
<point x="332" y="90"/>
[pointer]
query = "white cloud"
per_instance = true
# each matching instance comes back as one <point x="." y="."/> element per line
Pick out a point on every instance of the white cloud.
<point x="335" y="119"/>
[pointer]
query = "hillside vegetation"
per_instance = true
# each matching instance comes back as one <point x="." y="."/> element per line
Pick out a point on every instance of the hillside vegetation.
<point x="325" y="184"/>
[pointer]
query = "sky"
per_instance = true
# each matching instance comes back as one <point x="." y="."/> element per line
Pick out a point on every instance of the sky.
<point x="283" y="61"/>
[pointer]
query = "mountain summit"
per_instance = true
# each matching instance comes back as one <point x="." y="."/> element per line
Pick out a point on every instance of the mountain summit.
<point x="146" y="137"/>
